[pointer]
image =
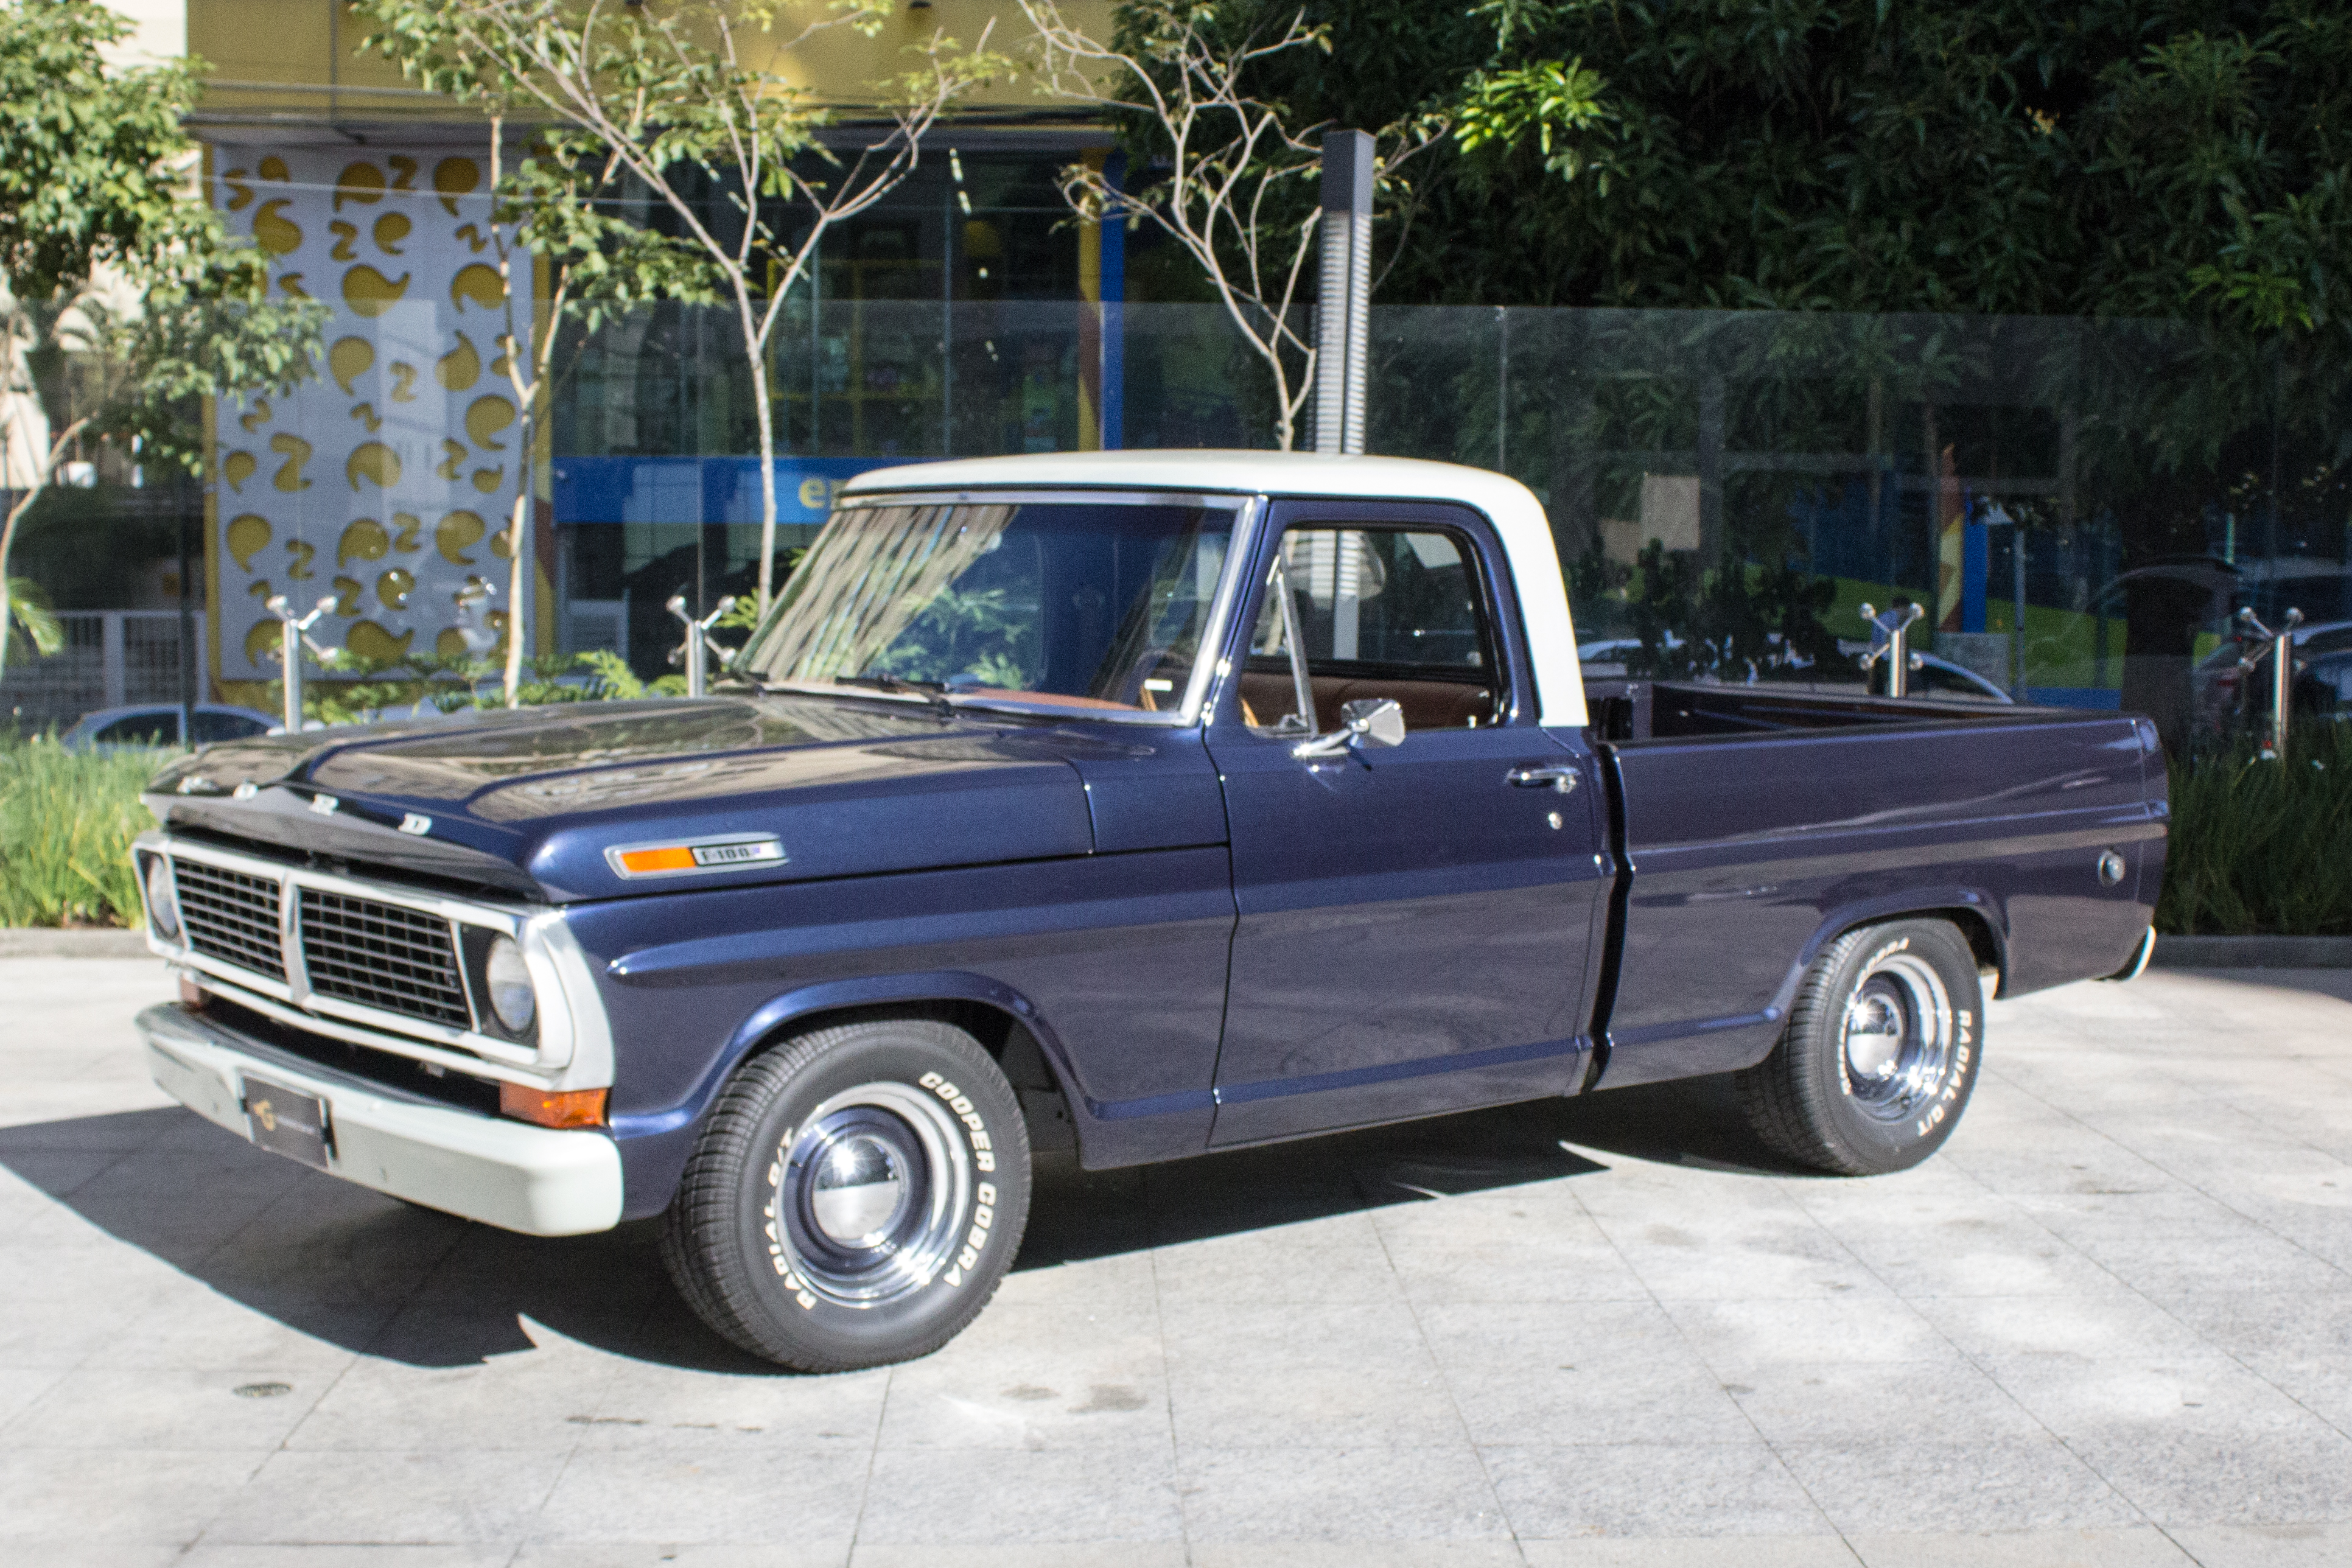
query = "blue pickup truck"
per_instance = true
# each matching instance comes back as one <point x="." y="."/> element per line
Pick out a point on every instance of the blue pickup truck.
<point x="1124" y="805"/>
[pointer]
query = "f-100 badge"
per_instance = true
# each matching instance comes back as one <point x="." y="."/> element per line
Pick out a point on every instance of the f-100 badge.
<point x="732" y="852"/>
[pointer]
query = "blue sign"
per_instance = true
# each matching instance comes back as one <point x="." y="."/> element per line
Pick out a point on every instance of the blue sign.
<point x="699" y="489"/>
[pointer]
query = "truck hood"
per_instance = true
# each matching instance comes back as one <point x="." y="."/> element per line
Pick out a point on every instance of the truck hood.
<point x="530" y="801"/>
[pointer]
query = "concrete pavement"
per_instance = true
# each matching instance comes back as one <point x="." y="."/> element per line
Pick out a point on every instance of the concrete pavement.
<point x="2111" y="1325"/>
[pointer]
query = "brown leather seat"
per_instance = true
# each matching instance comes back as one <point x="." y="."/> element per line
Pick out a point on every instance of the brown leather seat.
<point x="1427" y="704"/>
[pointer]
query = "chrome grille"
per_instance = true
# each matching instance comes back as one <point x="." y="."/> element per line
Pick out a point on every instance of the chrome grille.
<point x="383" y="956"/>
<point x="231" y="916"/>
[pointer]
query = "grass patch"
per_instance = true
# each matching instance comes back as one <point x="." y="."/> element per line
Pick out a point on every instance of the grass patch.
<point x="67" y="820"/>
<point x="2263" y="849"/>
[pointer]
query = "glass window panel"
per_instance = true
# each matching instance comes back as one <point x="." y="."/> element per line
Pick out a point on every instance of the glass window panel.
<point x="1084" y="604"/>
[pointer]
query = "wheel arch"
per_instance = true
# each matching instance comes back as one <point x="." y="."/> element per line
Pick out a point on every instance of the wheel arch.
<point x="1005" y="1021"/>
<point x="1979" y="918"/>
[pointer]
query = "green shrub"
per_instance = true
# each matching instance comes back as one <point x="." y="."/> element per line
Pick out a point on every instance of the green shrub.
<point x="67" y="820"/>
<point x="2262" y="847"/>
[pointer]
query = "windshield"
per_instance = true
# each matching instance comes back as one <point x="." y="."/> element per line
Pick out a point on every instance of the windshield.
<point x="1069" y="603"/>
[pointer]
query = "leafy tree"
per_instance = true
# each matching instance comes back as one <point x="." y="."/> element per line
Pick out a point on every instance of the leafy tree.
<point x="688" y="96"/>
<point x="113" y="267"/>
<point x="2111" y="157"/>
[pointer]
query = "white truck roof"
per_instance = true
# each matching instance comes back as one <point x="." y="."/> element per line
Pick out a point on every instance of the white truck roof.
<point x="1518" y="518"/>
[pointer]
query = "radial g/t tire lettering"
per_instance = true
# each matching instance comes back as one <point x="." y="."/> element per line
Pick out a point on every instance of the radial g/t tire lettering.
<point x="855" y="1197"/>
<point x="1880" y="1053"/>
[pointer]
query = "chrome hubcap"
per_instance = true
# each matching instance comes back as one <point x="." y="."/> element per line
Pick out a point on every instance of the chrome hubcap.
<point x="1897" y="1037"/>
<point x="860" y="1190"/>
<point x="866" y="1196"/>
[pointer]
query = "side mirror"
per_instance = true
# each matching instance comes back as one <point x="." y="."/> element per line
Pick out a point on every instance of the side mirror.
<point x="1374" y="721"/>
<point x="1366" y="721"/>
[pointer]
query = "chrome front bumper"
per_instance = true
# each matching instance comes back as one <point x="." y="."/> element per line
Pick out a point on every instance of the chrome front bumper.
<point x="530" y="1179"/>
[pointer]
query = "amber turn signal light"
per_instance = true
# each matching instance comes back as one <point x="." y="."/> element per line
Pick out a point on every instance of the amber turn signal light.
<point x="566" y="1108"/>
<point x="676" y="857"/>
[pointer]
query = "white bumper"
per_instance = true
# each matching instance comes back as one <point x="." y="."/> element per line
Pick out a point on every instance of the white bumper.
<point x="530" y="1179"/>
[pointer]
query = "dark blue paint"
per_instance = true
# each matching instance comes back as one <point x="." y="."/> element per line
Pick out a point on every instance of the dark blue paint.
<point x="1750" y="851"/>
<point x="1211" y="940"/>
<point x="1406" y="913"/>
<point x="1116" y="962"/>
<point x="1149" y="789"/>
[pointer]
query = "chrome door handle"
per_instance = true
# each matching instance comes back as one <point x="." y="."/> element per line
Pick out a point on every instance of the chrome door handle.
<point x="1557" y="776"/>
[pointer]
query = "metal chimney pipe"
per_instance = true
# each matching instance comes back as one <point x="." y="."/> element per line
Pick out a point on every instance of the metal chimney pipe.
<point x="1343" y="313"/>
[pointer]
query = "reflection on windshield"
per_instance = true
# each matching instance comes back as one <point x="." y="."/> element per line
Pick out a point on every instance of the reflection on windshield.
<point x="1071" y="604"/>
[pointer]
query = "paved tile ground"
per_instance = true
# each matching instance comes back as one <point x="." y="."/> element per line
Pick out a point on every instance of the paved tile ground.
<point x="2111" y="1325"/>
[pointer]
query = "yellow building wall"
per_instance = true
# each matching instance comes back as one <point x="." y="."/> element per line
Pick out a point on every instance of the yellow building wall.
<point x="303" y="56"/>
<point x="387" y="485"/>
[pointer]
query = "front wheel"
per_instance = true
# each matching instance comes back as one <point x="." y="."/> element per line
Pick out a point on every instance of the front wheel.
<point x="1880" y="1053"/>
<point x="857" y="1195"/>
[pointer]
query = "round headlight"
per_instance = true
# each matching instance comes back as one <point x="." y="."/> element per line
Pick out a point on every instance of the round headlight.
<point x="163" y="901"/>
<point x="509" y="980"/>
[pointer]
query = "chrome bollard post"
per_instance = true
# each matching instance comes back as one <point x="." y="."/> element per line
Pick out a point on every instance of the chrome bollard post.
<point x="1895" y="627"/>
<point x="698" y="638"/>
<point x="2282" y="657"/>
<point x="290" y="631"/>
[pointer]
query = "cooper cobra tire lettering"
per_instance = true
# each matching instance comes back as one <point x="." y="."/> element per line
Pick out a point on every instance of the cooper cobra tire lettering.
<point x="764" y="1258"/>
<point x="983" y="1153"/>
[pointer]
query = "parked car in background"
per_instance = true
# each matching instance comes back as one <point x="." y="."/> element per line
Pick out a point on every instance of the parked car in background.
<point x="2324" y="689"/>
<point x="158" y="724"/>
<point x="2230" y="700"/>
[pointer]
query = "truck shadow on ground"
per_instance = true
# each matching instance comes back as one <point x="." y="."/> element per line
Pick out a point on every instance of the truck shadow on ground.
<point x="380" y="1277"/>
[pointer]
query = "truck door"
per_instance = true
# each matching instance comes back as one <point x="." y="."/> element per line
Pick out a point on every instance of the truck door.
<point x="1416" y="920"/>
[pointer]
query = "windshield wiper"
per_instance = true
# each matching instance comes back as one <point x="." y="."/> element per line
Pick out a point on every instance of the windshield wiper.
<point x="935" y="692"/>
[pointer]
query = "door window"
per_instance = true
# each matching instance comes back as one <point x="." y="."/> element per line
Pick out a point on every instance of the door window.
<point x="212" y="727"/>
<point x="149" y="728"/>
<point x="1350" y="613"/>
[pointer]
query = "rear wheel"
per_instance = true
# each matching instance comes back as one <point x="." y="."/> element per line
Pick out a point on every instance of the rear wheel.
<point x="856" y="1196"/>
<point x="1880" y="1054"/>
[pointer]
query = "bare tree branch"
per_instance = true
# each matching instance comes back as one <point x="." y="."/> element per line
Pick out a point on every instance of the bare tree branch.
<point x="674" y="92"/>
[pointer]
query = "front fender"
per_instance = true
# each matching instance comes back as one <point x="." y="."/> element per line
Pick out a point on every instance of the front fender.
<point x="656" y="1145"/>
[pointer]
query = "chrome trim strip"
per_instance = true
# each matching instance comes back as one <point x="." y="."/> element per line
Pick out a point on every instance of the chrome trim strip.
<point x="569" y="1002"/>
<point x="1209" y="660"/>
<point x="555" y="1052"/>
<point x="1029" y="495"/>
<point x="465" y="982"/>
<point x="204" y="964"/>
<point x="418" y="1050"/>
<point x="289" y="938"/>
<point x="963" y="703"/>
<point x="507" y="918"/>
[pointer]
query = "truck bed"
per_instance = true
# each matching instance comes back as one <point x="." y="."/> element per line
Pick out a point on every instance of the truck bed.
<point x="1748" y="821"/>
<point x="1660" y="710"/>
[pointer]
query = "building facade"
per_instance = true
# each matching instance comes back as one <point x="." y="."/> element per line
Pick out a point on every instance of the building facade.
<point x="944" y="320"/>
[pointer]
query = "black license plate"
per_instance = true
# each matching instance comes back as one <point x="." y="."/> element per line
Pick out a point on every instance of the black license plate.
<point x="287" y="1121"/>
